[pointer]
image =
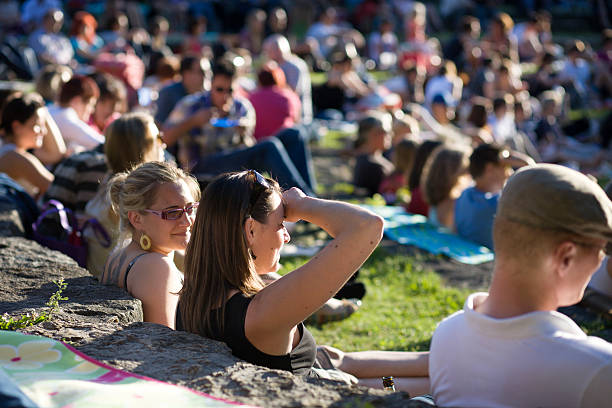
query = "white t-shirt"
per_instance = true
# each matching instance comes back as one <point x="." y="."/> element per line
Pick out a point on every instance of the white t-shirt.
<point x="74" y="131"/>
<point x="540" y="359"/>
<point x="298" y="78"/>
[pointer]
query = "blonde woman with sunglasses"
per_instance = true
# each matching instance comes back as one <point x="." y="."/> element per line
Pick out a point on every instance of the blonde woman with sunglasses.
<point x="237" y="237"/>
<point x="156" y="205"/>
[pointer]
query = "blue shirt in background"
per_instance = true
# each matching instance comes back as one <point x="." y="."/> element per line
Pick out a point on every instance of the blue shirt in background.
<point x="474" y="214"/>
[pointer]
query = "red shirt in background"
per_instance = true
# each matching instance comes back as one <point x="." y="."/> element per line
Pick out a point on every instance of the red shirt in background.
<point x="417" y="204"/>
<point x="276" y="108"/>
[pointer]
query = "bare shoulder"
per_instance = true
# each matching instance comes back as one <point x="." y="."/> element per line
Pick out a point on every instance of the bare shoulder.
<point x="12" y="158"/>
<point x="154" y="267"/>
<point x="153" y="277"/>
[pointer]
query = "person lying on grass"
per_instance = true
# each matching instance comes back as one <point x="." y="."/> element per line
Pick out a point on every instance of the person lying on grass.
<point x="237" y="236"/>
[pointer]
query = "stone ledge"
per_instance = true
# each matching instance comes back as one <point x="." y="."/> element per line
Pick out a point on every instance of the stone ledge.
<point x="105" y="323"/>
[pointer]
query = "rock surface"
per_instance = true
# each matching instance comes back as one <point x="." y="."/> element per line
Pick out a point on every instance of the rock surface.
<point x="106" y="323"/>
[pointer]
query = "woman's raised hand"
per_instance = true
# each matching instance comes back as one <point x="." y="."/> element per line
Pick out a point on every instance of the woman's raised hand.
<point x="293" y="199"/>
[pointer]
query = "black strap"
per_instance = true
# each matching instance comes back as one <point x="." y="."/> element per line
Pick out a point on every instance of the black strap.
<point x="128" y="270"/>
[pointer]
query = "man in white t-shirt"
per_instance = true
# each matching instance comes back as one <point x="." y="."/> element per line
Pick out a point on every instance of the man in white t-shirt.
<point x="510" y="348"/>
<point x="76" y="103"/>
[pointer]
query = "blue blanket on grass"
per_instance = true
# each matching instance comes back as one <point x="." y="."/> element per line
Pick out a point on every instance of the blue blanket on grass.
<point x="413" y="229"/>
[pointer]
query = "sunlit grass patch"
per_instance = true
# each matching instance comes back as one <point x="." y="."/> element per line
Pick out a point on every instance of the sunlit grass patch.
<point x="403" y="305"/>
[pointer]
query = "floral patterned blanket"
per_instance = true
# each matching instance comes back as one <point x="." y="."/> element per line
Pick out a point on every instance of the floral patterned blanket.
<point x="54" y="374"/>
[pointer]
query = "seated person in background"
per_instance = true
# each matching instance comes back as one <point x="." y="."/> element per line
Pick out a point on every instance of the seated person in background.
<point x="111" y="103"/>
<point x="76" y="102"/>
<point x="237" y="237"/>
<point x="277" y="110"/>
<point x="343" y="84"/>
<point x="444" y="178"/>
<point x="194" y="71"/>
<point x="409" y="83"/>
<point x="23" y="128"/>
<point x="156" y="204"/>
<point x="53" y="148"/>
<point x="501" y="121"/>
<point x="383" y="45"/>
<point x="373" y="138"/>
<point x="78" y="177"/>
<point x="490" y="167"/>
<point x="86" y="43"/>
<point x="404" y="127"/>
<point x="50" y="80"/>
<point x="131" y="140"/>
<point x="276" y="106"/>
<point x="476" y="125"/>
<point x="403" y="158"/>
<point x="276" y="47"/>
<point x="446" y="83"/>
<point x="439" y="121"/>
<point x="49" y="44"/>
<point x="511" y="347"/>
<point x="553" y="144"/>
<point x="417" y="203"/>
<point x="214" y="132"/>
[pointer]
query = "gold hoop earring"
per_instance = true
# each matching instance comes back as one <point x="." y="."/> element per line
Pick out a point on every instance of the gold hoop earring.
<point x="145" y="242"/>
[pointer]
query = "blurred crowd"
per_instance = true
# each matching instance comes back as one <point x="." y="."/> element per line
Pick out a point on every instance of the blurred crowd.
<point x="249" y="84"/>
<point x="122" y="110"/>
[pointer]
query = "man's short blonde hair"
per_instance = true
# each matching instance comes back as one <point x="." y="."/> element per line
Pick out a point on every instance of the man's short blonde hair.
<point x="527" y="246"/>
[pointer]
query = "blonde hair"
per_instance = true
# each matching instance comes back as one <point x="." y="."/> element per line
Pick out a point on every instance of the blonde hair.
<point x="136" y="190"/>
<point x="441" y="172"/>
<point x="50" y="80"/>
<point x="217" y="259"/>
<point x="129" y="141"/>
<point x="522" y="245"/>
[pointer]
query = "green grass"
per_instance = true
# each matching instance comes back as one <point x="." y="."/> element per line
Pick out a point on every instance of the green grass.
<point x="335" y="139"/>
<point x="403" y="304"/>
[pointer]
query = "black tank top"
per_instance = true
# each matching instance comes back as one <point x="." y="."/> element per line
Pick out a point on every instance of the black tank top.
<point x="128" y="269"/>
<point x="299" y="361"/>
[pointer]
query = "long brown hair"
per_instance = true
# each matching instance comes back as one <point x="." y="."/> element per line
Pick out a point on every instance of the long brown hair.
<point x="217" y="259"/>
<point x="441" y="172"/>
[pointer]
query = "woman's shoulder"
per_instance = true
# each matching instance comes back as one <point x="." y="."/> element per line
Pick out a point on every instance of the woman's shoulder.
<point x="16" y="159"/>
<point x="139" y="265"/>
<point x="154" y="265"/>
<point x="8" y="153"/>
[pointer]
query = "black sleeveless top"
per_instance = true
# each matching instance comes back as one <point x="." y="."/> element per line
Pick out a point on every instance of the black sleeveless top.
<point x="299" y="361"/>
<point x="128" y="269"/>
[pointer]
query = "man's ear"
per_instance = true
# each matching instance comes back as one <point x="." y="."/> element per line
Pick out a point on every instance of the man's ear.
<point x="565" y="255"/>
<point x="135" y="218"/>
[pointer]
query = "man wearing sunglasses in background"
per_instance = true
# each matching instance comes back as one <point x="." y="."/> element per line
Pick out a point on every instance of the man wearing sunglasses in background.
<point x="214" y="133"/>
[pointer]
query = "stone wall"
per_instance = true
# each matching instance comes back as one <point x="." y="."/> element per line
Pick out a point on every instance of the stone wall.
<point x="106" y="323"/>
